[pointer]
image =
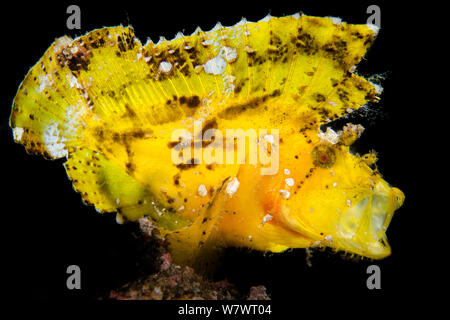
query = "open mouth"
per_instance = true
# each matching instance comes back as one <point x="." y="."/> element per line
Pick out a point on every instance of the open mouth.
<point x="362" y="228"/>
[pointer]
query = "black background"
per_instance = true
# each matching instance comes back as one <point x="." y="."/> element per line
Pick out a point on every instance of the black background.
<point x="48" y="228"/>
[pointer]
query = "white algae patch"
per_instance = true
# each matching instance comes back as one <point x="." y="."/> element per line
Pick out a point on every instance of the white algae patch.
<point x="17" y="133"/>
<point x="215" y="65"/>
<point x="54" y="142"/>
<point x="232" y="187"/>
<point x="202" y="192"/>
<point x="330" y="135"/>
<point x="165" y="67"/>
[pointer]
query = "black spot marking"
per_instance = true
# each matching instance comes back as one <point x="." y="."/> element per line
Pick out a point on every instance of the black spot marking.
<point x="254" y="59"/>
<point x="343" y="95"/>
<point x="176" y="179"/>
<point x="129" y="112"/>
<point x="275" y="93"/>
<point x="172" y="144"/>
<point x="111" y="94"/>
<point x="337" y="51"/>
<point x="210" y="124"/>
<point x="138" y="134"/>
<point x="357" y="35"/>
<point x="75" y="61"/>
<point x="185" y="166"/>
<point x="235" y="110"/>
<point x="319" y="97"/>
<point x="305" y="42"/>
<point x="191" y="102"/>
<point x="130" y="167"/>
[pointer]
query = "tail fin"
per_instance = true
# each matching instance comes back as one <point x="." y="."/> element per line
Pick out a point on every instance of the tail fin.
<point x="97" y="80"/>
<point x="46" y="110"/>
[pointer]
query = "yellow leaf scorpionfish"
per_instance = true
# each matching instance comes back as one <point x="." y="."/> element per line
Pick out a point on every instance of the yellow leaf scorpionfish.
<point x="216" y="136"/>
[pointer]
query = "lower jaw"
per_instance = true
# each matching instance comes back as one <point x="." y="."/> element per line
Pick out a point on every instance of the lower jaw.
<point x="374" y="250"/>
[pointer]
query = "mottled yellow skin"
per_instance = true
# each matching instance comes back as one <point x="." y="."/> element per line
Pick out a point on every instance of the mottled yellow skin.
<point x="110" y="105"/>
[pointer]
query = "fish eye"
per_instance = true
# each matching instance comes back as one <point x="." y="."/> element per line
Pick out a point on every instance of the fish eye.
<point x="323" y="156"/>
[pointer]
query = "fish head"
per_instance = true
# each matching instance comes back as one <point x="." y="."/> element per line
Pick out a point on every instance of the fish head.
<point x="336" y="199"/>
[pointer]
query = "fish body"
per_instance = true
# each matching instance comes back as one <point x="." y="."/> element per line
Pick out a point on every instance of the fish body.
<point x="216" y="136"/>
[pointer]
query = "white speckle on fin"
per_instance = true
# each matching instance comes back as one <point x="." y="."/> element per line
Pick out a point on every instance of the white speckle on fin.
<point x="266" y="218"/>
<point x="374" y="28"/>
<point x="165" y="67"/>
<point x="215" y="65"/>
<point x="54" y="142"/>
<point x="269" y="138"/>
<point x="330" y="135"/>
<point x="290" y="182"/>
<point x="17" y="133"/>
<point x="243" y="22"/>
<point x="73" y="82"/>
<point x="334" y="104"/>
<point x="179" y="35"/>
<point x="208" y="42"/>
<point x="73" y="119"/>
<point x="197" y="31"/>
<point x="229" y="54"/>
<point x="232" y="187"/>
<point x="217" y="27"/>
<point x="44" y="82"/>
<point x="119" y="218"/>
<point x="336" y="21"/>
<point x="378" y="88"/>
<point x="202" y="192"/>
<point x="161" y="40"/>
<point x="285" y="193"/>
<point x="266" y="18"/>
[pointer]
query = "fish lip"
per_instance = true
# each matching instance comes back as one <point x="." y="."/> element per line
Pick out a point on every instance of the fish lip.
<point x="362" y="227"/>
